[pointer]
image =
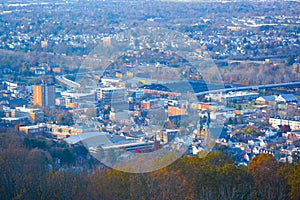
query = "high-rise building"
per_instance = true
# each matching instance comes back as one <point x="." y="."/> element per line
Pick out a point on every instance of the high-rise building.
<point x="44" y="95"/>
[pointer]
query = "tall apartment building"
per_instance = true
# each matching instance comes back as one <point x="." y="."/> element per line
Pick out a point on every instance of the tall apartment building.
<point x="44" y="95"/>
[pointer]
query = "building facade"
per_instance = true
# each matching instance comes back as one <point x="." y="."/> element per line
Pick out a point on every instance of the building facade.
<point x="278" y="121"/>
<point x="108" y="95"/>
<point x="44" y="95"/>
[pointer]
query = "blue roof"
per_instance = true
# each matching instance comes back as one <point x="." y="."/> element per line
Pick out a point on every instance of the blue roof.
<point x="269" y="98"/>
<point x="289" y="97"/>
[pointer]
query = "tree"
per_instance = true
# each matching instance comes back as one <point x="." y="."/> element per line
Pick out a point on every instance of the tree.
<point x="34" y="143"/>
<point x="63" y="185"/>
<point x="247" y="130"/>
<point x="291" y="172"/>
<point x="90" y="113"/>
<point x="230" y="120"/>
<point x="169" y="184"/>
<point x="65" y="119"/>
<point x="286" y="128"/>
<point x="110" y="184"/>
<point x="290" y="60"/>
<point x="294" y="182"/>
<point x="235" y="182"/>
<point x="269" y="184"/>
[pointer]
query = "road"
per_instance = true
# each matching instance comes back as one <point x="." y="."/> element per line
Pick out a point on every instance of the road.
<point x="73" y="84"/>
<point x="67" y="82"/>
<point x="257" y="87"/>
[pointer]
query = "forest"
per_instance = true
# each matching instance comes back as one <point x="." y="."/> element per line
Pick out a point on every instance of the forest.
<point x="26" y="173"/>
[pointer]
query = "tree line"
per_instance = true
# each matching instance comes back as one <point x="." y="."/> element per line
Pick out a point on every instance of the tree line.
<point x="25" y="174"/>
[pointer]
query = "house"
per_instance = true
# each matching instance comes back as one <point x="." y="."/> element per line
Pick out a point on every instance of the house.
<point x="292" y="135"/>
<point x="40" y="71"/>
<point x="270" y="133"/>
<point x="118" y="74"/>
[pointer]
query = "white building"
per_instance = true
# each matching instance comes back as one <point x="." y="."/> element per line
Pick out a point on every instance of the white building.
<point x="111" y="94"/>
<point x="278" y="121"/>
<point x="286" y="98"/>
<point x="233" y="96"/>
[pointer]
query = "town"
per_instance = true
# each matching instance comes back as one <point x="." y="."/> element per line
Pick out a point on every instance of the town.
<point x="140" y="118"/>
<point x="139" y="103"/>
<point x="149" y="99"/>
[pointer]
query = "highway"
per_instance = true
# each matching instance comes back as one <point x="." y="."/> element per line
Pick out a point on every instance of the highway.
<point x="73" y="84"/>
<point x="257" y="87"/>
<point x="67" y="82"/>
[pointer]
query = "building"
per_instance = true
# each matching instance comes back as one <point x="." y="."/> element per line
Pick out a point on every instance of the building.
<point x="108" y="95"/>
<point x="11" y="86"/>
<point x="272" y="99"/>
<point x="233" y="97"/>
<point x="69" y="102"/>
<point x="106" y="41"/>
<point x="12" y="121"/>
<point x="64" y="102"/>
<point x="286" y="98"/>
<point x="55" y="130"/>
<point x="34" y="129"/>
<point x="265" y="100"/>
<point x="150" y="104"/>
<point x="292" y="135"/>
<point x="61" y="102"/>
<point x="159" y="90"/>
<point x="276" y="122"/>
<point x="139" y="94"/>
<point x="44" y="95"/>
<point x="175" y="111"/>
<point x="167" y="135"/>
<point x="35" y="115"/>
<point x="16" y="102"/>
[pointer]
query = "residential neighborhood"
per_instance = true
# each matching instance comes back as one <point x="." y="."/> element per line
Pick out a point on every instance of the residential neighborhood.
<point x="245" y="123"/>
<point x="149" y="99"/>
<point x="48" y="101"/>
